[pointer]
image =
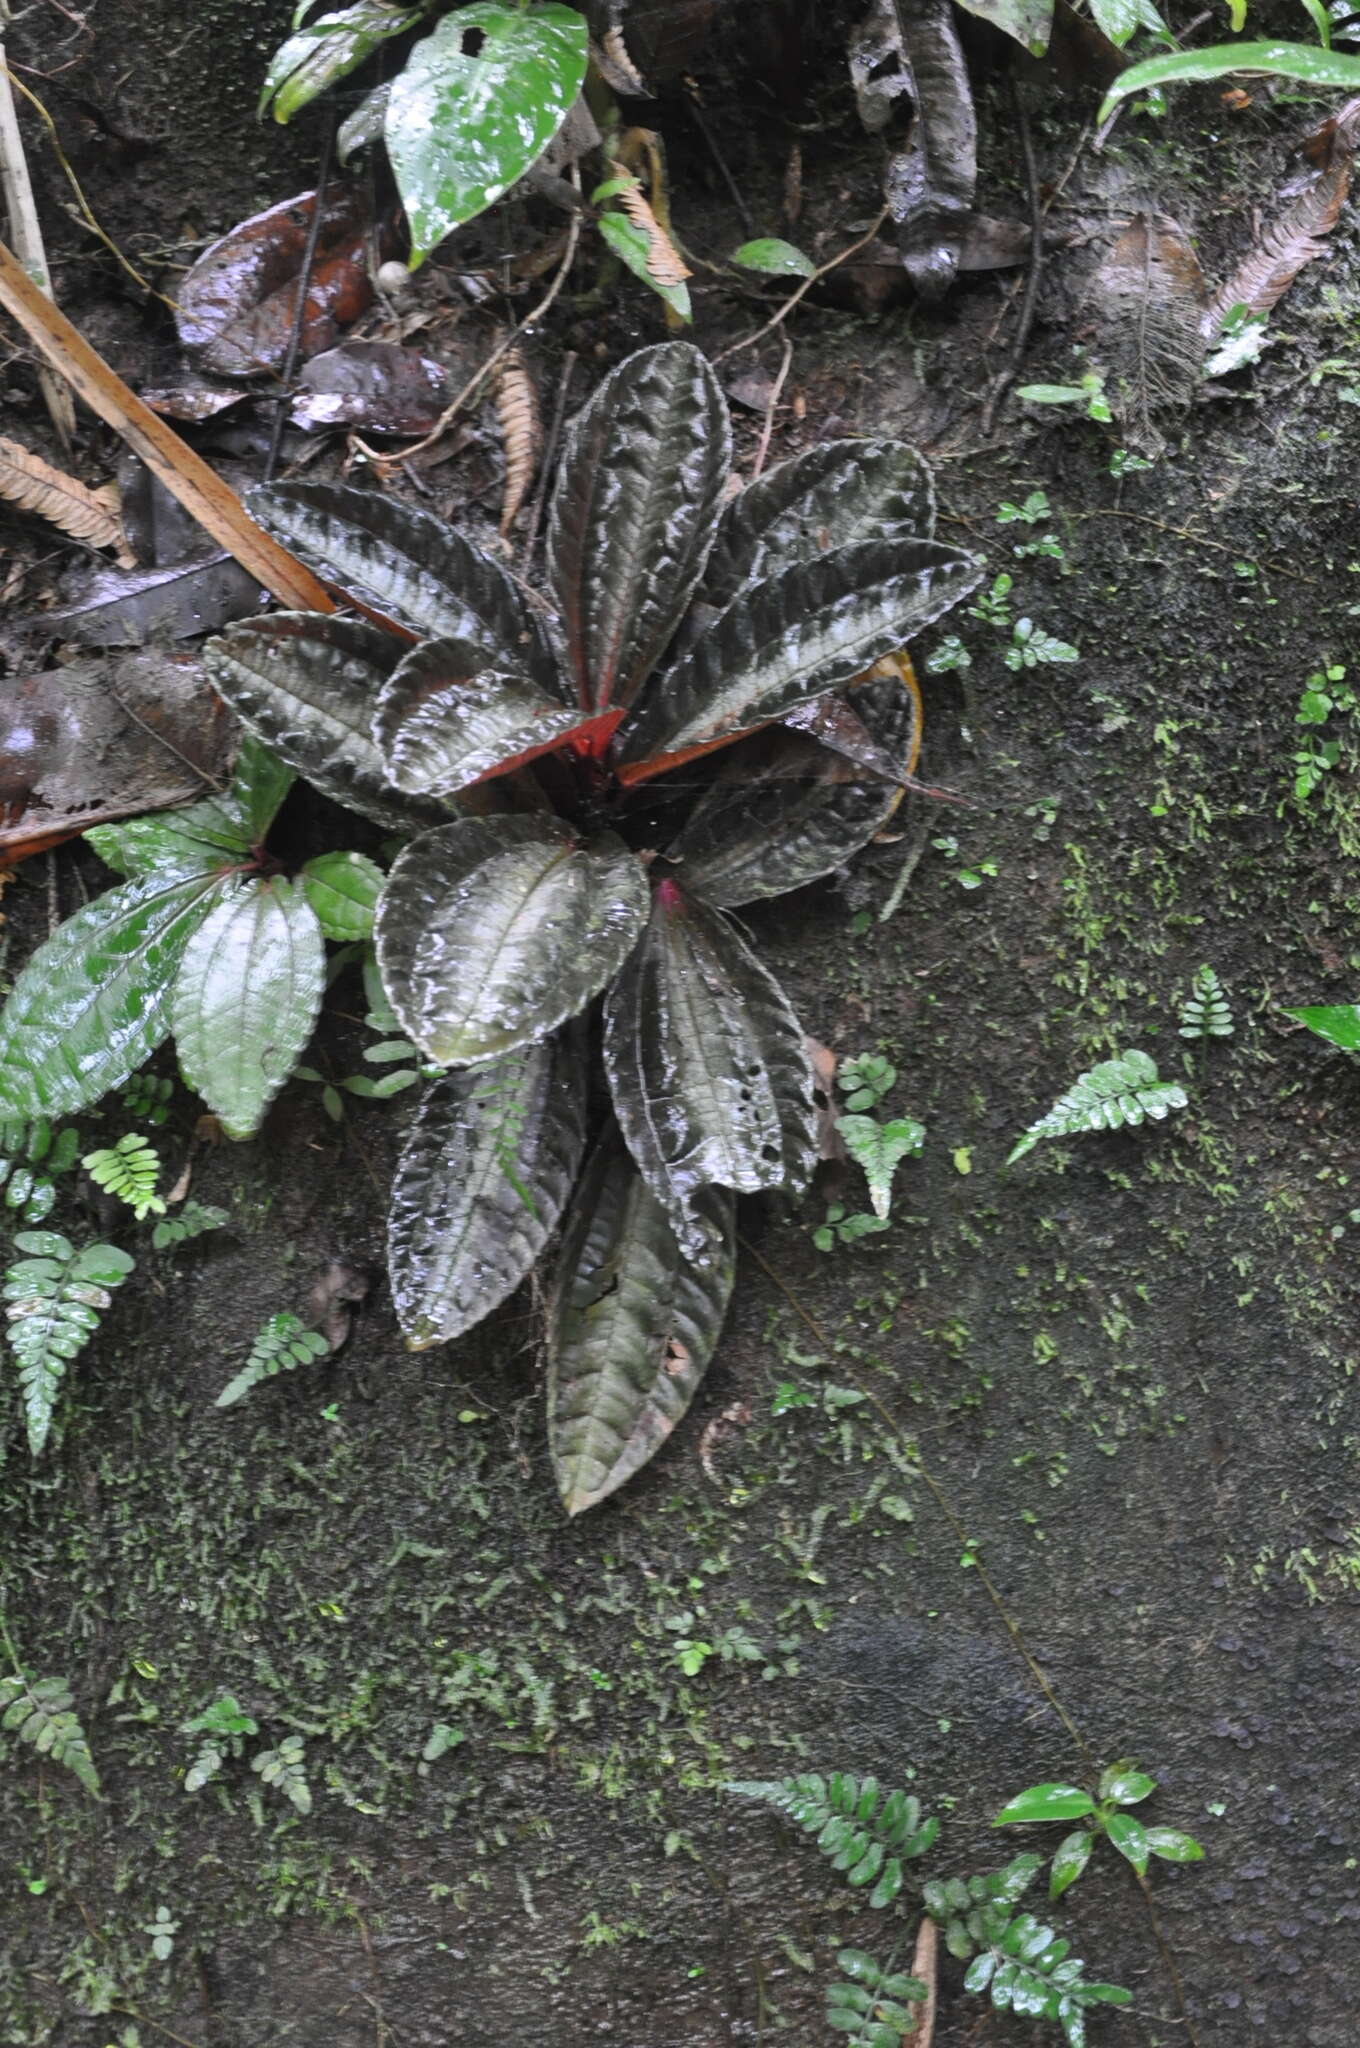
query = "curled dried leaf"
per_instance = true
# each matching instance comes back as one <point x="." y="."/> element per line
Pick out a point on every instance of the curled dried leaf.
<point x="521" y="430"/>
<point x="664" y="262"/>
<point x="36" y="486"/>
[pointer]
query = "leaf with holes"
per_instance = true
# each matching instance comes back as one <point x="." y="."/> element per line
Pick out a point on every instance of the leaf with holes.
<point x="707" y="1066"/>
<point x="493" y="931"/>
<point x="633" y="517"/>
<point x="481" y="1184"/>
<point x="631" y="1325"/>
<point x="327" y="50"/>
<point x="445" y="721"/>
<point x="477" y="103"/>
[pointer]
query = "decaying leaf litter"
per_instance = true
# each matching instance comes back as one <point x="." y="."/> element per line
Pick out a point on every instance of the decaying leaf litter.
<point x="1040" y="1096"/>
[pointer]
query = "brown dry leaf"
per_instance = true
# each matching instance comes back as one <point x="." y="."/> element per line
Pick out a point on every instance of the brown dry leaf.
<point x="1148" y="295"/>
<point x="663" y="258"/>
<point x="35" y="486"/>
<point x="333" y="1297"/>
<point x="1295" y="236"/>
<point x="616" y="67"/>
<point x="830" y="1143"/>
<point x="924" y="1966"/>
<point x="738" y="1416"/>
<point x="521" y="430"/>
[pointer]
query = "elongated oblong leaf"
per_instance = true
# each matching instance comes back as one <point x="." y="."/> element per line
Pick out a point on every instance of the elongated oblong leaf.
<point x="246" y="999"/>
<point x="632" y="1325"/>
<point x="478" y="102"/>
<point x="309" y="684"/>
<point x="411" y="567"/>
<point x="1304" y="61"/>
<point x="829" y="497"/>
<point x="785" y="810"/>
<point x="327" y="50"/>
<point x="493" y="931"/>
<point x="634" y="514"/>
<point x="707" y="1066"/>
<point x="444" y="721"/>
<point x="480" y="1185"/>
<point x="90" y="1006"/>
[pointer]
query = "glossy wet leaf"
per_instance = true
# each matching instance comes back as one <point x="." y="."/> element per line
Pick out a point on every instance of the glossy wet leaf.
<point x="1049" y="1801"/>
<point x="1070" y="1858"/>
<point x="477" y="103"/>
<point x="326" y="50"/>
<point x="707" y="1066"/>
<point x="91" y="1005"/>
<point x="481" y="1184"/>
<point x="632" y="1325"/>
<point x="1173" y="1845"/>
<point x="784" y="810"/>
<point x="1027" y="22"/>
<point x="1129" y="1838"/>
<point x="1125" y="1785"/>
<point x="635" y="247"/>
<point x="246" y="999"/>
<point x="203" y="839"/>
<point x="411" y="567"/>
<point x="343" y="890"/>
<point x="308" y="685"/>
<point x="773" y="258"/>
<point x="1304" y="61"/>
<point x="789" y="639"/>
<point x="493" y="931"/>
<point x="378" y="386"/>
<point x="1338" y="1023"/>
<point x="444" y="721"/>
<point x="147" y="607"/>
<point x="828" y="497"/>
<point x="633" y="516"/>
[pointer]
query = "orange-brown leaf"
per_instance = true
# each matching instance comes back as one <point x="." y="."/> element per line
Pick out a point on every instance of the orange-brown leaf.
<point x="1298" y="233"/>
<point x="663" y="258"/>
<point x="35" y="486"/>
<point x="517" y="410"/>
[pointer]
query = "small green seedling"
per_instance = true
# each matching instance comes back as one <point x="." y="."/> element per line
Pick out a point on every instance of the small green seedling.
<point x="1031" y="647"/>
<point x="1035" y="509"/>
<point x="950" y="654"/>
<point x="1206" y="1013"/>
<point x="128" y="1171"/>
<point x="1326" y="695"/>
<point x="1124" y="463"/>
<point x="1240" y="340"/>
<point x="993" y="606"/>
<point x="1122" y="1785"/>
<point x="1088" y="396"/>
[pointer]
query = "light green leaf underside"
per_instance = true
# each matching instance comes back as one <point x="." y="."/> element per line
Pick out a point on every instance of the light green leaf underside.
<point x="246" y="999"/>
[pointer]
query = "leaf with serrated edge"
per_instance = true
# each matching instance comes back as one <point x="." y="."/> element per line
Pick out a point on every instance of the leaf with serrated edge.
<point x="343" y="889"/>
<point x="260" y="782"/>
<point x="90" y="1007"/>
<point x="829" y="497"/>
<point x="493" y="931"/>
<point x="632" y="1325"/>
<point x="707" y="1065"/>
<point x="480" y="1185"/>
<point x="445" y="721"/>
<point x="309" y="686"/>
<point x="784" y="810"/>
<point x="634" y="514"/>
<point x="204" y="839"/>
<point x="783" y="642"/>
<point x="411" y="567"/>
<point x="246" y="1000"/>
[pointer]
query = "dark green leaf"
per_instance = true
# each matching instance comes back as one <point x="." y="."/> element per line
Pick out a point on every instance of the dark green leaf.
<point x="444" y="721"/>
<point x="1125" y="1785"/>
<point x="309" y="684"/>
<point x="480" y="1186"/>
<point x="1129" y="1839"/>
<point x="783" y="642"/>
<point x="1070" y="1858"/>
<point x="90" y="1007"/>
<point x="1304" y="61"/>
<point x="634" y="514"/>
<point x="774" y="258"/>
<point x="327" y="50"/>
<point x="204" y="839"/>
<point x="1338" y="1023"/>
<point x="707" y="1066"/>
<point x="1046" y="1802"/>
<point x="493" y="931"/>
<point x="343" y="889"/>
<point x="632" y="1325"/>
<point x="259" y="784"/>
<point x="1173" y="1845"/>
<point x="246" y="999"/>
<point x="478" y="102"/>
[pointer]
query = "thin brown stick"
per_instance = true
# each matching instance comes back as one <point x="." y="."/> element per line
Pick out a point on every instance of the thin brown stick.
<point x="1002" y="383"/>
<point x="199" y="489"/>
<point x="772" y="406"/>
<point x="290" y="361"/>
<point x="795" y="297"/>
<point x="565" y="375"/>
<point x="925" y="1967"/>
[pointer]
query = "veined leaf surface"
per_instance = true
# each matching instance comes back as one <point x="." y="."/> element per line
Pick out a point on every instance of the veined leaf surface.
<point x="445" y="721"/>
<point x="411" y="567"/>
<point x="829" y="497"/>
<point x="707" y="1066"/>
<point x="783" y="642"/>
<point x="309" y="685"/>
<point x="91" y="1005"/>
<point x="632" y="1325"/>
<point x="327" y="50"/>
<point x="246" y="998"/>
<point x="343" y="889"/>
<point x="493" y="931"/>
<point x="481" y="1183"/>
<point x="634" y="513"/>
<point x="785" y="810"/>
<point x="204" y="837"/>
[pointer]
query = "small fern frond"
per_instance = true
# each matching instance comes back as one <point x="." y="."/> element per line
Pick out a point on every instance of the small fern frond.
<point x="41" y="1711"/>
<point x="859" y="1831"/>
<point x="285" y="1769"/>
<point x="1206" y="1012"/>
<point x="193" y="1219"/>
<point x="31" y="1157"/>
<point x="871" y="2005"/>
<point x="1120" y="1091"/>
<point x="129" y="1171"/>
<point x="54" y="1299"/>
<point x="283" y="1342"/>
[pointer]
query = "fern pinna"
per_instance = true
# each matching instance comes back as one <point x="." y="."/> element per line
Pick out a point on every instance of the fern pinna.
<point x="871" y="2004"/>
<point x="864" y="1833"/>
<point x="54" y="1298"/>
<point x="1026" y="1968"/>
<point x="41" y="1712"/>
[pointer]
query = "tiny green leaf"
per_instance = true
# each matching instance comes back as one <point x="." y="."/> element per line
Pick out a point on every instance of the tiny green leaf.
<point x="1125" y="1785"/>
<point x="1129" y="1838"/>
<point x="1172" y="1845"/>
<point x="1070" y="1858"/>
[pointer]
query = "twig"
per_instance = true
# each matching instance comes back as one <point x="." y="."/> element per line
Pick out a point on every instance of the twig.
<point x="925" y="1967"/>
<point x="1006" y="377"/>
<point x="568" y="371"/>
<point x="692" y="101"/>
<point x="794" y="298"/>
<point x="907" y="870"/>
<point x="772" y="404"/>
<point x="161" y="740"/>
<point x="271" y="460"/>
<point x="26" y="232"/>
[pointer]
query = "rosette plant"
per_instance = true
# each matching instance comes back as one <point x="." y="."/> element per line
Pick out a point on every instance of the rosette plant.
<point x="586" y="796"/>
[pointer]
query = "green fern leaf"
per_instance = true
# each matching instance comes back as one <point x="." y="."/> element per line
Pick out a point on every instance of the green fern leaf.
<point x="285" y="1769"/>
<point x="1206" y="1013"/>
<point x="31" y="1157"/>
<point x="1120" y="1091"/>
<point x="859" y="1831"/>
<point x="193" y="1219"/>
<point x="1025" y="1968"/>
<point x="129" y="1171"/>
<point x="54" y="1299"/>
<point x="41" y="1712"/>
<point x="283" y="1342"/>
<point x="871" y="2004"/>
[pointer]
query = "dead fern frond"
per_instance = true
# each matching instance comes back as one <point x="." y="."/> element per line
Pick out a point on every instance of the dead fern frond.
<point x="1298" y="234"/>
<point x="35" y="486"/>
<point x="664" y="261"/>
<point x="616" y="67"/>
<point x="521" y="430"/>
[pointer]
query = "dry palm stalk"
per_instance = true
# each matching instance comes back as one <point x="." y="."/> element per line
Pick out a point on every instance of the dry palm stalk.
<point x="517" y="410"/>
<point x="26" y="233"/>
<point x="35" y="486"/>
<point x="199" y="489"/>
<point x="1296" y="236"/>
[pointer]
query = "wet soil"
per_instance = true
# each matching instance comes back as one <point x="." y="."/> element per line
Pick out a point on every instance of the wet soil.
<point x="1117" y="1378"/>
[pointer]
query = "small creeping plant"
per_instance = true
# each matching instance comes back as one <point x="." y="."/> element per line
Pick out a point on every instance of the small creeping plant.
<point x="559" y="906"/>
